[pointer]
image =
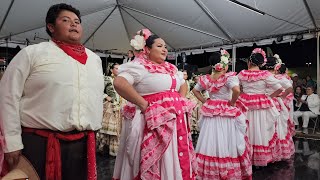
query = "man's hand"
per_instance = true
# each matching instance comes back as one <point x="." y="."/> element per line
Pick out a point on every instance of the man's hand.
<point x="12" y="158"/>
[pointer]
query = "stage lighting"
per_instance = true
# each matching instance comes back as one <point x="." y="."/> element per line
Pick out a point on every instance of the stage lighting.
<point x="279" y="38"/>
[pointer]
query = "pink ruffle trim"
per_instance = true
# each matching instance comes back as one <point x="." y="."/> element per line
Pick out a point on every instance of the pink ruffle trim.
<point x="281" y="76"/>
<point x="277" y="104"/>
<point x="156" y="116"/>
<point x="262" y="155"/>
<point x="221" y="108"/>
<point x="253" y="75"/>
<point x="214" y="85"/>
<point x="255" y="101"/>
<point x="188" y="106"/>
<point x="129" y="110"/>
<point x="163" y="68"/>
<point x="157" y="136"/>
<point x="286" y="146"/>
<point x="210" y="167"/>
<point x="1" y="153"/>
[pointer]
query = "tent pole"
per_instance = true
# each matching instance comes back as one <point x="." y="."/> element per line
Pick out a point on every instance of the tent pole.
<point x="318" y="64"/>
<point x="234" y="55"/>
<point x="176" y="58"/>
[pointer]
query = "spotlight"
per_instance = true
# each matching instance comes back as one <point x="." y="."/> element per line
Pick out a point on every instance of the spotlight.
<point x="299" y="37"/>
<point x="279" y="38"/>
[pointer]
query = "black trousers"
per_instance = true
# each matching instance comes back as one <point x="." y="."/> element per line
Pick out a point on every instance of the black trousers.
<point x="73" y="156"/>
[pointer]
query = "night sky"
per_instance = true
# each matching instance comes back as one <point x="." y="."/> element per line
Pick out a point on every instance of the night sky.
<point x="294" y="55"/>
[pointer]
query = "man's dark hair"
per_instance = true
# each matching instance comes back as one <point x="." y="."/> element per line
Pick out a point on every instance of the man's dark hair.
<point x="311" y="87"/>
<point x="54" y="12"/>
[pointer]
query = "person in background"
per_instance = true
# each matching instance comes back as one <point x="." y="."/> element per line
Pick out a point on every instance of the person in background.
<point x="194" y="123"/>
<point x="109" y="134"/>
<point x="311" y="83"/>
<point x="51" y="101"/>
<point x="155" y="143"/>
<point x="130" y="55"/>
<point x="309" y="108"/>
<point x="284" y="124"/>
<point x="287" y="95"/>
<point x="223" y="145"/>
<point x="2" y="145"/>
<point x="185" y="77"/>
<point x="298" y="92"/>
<point x="296" y="81"/>
<point x="262" y="114"/>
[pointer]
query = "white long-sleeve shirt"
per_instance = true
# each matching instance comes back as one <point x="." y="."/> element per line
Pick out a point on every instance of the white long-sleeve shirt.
<point x="44" y="88"/>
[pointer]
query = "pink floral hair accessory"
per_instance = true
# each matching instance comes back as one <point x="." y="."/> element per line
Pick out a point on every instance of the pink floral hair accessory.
<point x="139" y="40"/>
<point x="261" y="51"/>
<point x="224" y="60"/>
<point x="145" y="33"/>
<point x="218" y="67"/>
<point x="279" y="62"/>
<point x="277" y="67"/>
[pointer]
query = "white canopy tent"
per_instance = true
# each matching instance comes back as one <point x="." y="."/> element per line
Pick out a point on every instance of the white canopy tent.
<point x="186" y="25"/>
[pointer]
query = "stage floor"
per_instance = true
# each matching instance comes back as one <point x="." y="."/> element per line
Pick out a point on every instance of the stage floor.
<point x="305" y="165"/>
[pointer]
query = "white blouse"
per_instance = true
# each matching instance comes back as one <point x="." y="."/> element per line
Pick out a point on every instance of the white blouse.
<point x="146" y="83"/>
<point x="225" y="92"/>
<point x="261" y="86"/>
<point x="44" y="88"/>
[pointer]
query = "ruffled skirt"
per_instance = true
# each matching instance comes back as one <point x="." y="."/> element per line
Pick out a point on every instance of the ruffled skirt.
<point x="223" y="149"/>
<point x="262" y="116"/>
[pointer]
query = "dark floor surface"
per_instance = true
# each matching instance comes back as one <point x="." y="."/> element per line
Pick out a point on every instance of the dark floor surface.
<point x="305" y="165"/>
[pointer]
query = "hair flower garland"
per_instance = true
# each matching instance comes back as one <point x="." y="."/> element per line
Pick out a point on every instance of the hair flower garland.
<point x="279" y="62"/>
<point x="139" y="41"/>
<point x="224" y="60"/>
<point x="261" y="51"/>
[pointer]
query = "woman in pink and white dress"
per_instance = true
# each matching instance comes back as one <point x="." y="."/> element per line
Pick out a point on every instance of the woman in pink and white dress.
<point x="285" y="80"/>
<point x="285" y="142"/>
<point x="1" y="149"/>
<point x="155" y="141"/>
<point x="223" y="150"/>
<point x="262" y="113"/>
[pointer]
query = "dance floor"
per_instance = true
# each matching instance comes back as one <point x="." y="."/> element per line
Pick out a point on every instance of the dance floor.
<point x="305" y="165"/>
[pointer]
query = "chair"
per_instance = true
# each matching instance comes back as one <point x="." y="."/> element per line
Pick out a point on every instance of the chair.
<point x="315" y="122"/>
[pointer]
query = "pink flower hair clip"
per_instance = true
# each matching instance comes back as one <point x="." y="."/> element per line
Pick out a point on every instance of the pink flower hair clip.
<point x="139" y="41"/>
<point x="218" y="67"/>
<point x="261" y="51"/>
<point x="277" y="67"/>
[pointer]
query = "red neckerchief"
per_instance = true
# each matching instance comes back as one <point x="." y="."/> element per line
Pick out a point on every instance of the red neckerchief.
<point x="76" y="51"/>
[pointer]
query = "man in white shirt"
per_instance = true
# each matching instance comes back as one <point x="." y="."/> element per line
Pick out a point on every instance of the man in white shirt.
<point x="309" y="108"/>
<point x="51" y="101"/>
<point x="130" y="55"/>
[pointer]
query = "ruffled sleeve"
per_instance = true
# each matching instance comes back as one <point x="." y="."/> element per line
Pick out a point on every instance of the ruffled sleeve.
<point x="198" y="87"/>
<point x="133" y="72"/>
<point x="232" y="82"/>
<point x="285" y="83"/>
<point x="273" y="83"/>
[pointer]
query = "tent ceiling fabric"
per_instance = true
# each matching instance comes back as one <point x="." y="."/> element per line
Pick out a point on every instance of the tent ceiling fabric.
<point x="184" y="24"/>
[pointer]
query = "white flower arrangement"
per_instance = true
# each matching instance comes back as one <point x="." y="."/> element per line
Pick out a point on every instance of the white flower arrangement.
<point x="138" y="42"/>
<point x="224" y="60"/>
<point x="279" y="61"/>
